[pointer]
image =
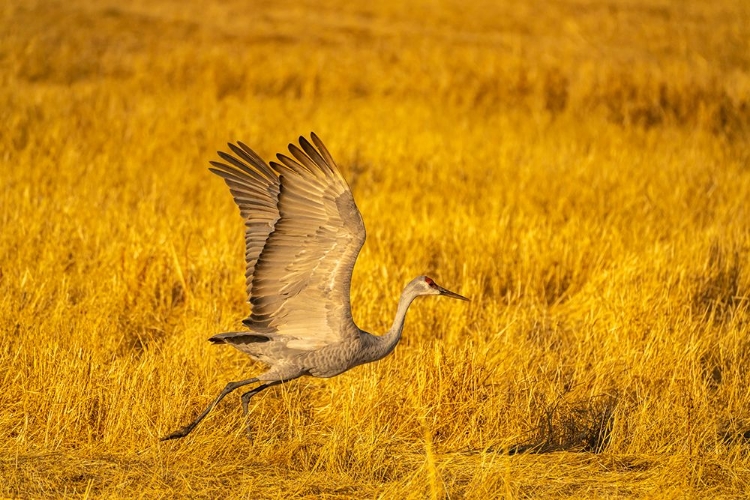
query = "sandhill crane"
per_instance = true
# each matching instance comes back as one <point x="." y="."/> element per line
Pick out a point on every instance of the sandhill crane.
<point x="303" y="233"/>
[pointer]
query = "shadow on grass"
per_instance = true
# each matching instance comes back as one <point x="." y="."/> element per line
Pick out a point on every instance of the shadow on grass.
<point x="577" y="426"/>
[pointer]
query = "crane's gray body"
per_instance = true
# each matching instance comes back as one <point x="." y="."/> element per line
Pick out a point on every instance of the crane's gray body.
<point x="303" y="233"/>
<point x="356" y="347"/>
<point x="328" y="361"/>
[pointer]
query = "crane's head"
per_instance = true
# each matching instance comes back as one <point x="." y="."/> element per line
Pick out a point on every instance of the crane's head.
<point x="424" y="285"/>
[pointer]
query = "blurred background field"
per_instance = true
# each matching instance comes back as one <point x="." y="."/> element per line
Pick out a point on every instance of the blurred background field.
<point x="579" y="168"/>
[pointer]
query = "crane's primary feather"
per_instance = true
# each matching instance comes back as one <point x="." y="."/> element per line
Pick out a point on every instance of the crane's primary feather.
<point x="303" y="235"/>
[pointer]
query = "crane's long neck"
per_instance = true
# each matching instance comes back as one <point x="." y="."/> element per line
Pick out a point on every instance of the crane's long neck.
<point x="388" y="341"/>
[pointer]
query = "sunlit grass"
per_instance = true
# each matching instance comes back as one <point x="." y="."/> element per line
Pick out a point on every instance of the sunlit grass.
<point x="579" y="169"/>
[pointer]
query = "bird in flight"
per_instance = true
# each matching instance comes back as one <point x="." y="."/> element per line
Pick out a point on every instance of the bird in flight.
<point x="303" y="233"/>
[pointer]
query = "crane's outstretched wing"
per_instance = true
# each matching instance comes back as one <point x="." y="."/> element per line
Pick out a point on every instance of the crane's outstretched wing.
<point x="303" y="234"/>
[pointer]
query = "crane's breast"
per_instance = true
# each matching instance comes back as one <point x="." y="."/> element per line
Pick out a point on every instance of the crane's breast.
<point x="332" y="359"/>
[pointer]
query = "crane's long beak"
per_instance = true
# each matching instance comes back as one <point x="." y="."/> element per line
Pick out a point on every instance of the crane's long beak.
<point x="448" y="293"/>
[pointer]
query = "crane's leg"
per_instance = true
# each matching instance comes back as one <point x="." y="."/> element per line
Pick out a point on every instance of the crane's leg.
<point x="249" y="394"/>
<point x="231" y="386"/>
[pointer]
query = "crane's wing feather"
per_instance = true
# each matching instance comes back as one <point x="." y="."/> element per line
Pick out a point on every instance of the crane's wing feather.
<point x="255" y="188"/>
<point x="304" y="233"/>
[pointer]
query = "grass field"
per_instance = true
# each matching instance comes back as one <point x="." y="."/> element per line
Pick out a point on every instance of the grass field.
<point x="579" y="168"/>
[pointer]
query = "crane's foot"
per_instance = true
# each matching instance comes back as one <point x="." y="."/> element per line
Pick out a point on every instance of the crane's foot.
<point x="180" y="433"/>
<point x="184" y="431"/>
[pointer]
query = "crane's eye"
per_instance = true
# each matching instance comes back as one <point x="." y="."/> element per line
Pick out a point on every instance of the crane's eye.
<point x="429" y="281"/>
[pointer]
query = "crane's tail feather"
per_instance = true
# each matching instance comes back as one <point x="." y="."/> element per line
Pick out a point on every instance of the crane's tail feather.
<point x="239" y="338"/>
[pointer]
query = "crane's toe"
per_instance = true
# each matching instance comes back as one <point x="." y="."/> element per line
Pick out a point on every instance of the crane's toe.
<point x="181" y="433"/>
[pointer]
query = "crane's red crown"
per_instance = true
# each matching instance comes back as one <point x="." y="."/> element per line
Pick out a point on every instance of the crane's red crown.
<point x="429" y="281"/>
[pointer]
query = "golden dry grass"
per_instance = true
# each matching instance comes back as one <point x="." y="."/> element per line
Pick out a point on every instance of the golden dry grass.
<point x="580" y="169"/>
